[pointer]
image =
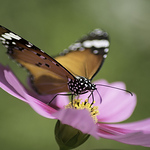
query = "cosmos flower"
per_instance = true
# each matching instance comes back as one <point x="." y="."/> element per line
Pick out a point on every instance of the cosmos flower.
<point x="96" y="119"/>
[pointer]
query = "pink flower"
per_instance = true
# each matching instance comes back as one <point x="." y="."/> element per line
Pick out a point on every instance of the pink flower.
<point x="116" y="106"/>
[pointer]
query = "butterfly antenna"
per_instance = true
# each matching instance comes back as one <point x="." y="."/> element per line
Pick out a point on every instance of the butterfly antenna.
<point x="116" y="88"/>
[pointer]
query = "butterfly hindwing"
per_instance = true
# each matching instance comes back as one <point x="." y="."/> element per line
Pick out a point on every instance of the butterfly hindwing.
<point x="86" y="56"/>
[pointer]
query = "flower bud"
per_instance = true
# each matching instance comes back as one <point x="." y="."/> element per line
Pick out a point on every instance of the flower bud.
<point x="68" y="137"/>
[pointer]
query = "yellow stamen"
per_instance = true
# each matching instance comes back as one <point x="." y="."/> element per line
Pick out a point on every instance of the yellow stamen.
<point x="76" y="104"/>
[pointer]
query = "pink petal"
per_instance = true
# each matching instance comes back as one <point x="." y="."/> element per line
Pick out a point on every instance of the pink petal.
<point x="136" y="133"/>
<point x="14" y="88"/>
<point x="79" y="119"/>
<point x="40" y="107"/>
<point x="61" y="100"/>
<point x="116" y="105"/>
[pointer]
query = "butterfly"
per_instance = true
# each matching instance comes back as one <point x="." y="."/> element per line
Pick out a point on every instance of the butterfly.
<point x="71" y="71"/>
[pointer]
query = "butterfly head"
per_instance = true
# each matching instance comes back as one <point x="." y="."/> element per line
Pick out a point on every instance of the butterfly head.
<point x="80" y="85"/>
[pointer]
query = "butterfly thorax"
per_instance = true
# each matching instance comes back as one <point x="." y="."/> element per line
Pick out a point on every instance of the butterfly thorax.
<point x="80" y="85"/>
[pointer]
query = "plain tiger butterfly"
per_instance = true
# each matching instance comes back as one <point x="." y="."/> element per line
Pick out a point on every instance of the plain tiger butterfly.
<point x="71" y="71"/>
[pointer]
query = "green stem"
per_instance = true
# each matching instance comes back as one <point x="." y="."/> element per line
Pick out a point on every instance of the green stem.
<point x="62" y="148"/>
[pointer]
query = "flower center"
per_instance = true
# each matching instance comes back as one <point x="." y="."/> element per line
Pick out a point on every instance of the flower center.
<point x="77" y="104"/>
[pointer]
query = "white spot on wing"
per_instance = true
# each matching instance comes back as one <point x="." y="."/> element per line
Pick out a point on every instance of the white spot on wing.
<point x="2" y="39"/>
<point x="100" y="43"/>
<point x="42" y="51"/>
<point x="29" y="44"/>
<point x="87" y="44"/>
<point x="14" y="43"/>
<point x="11" y="35"/>
<point x="106" y="50"/>
<point x="95" y="51"/>
<point x="6" y="46"/>
<point x="42" y="57"/>
<point x="6" y="37"/>
<point x="75" y="46"/>
<point x="14" y="36"/>
<point x="96" y="43"/>
<point x="81" y="49"/>
<point x="4" y="42"/>
<point x="104" y="56"/>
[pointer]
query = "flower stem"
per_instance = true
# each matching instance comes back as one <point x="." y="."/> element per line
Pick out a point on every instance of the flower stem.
<point x="62" y="148"/>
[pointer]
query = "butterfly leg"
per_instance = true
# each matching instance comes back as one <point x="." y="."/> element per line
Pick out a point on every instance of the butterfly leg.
<point x="72" y="99"/>
<point x="99" y="96"/>
<point x="68" y="94"/>
<point x="92" y="97"/>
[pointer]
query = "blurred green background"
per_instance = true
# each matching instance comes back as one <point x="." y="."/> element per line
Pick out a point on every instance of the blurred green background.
<point x="53" y="25"/>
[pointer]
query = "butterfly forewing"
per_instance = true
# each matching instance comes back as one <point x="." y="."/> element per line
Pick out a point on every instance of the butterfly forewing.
<point x="86" y="56"/>
<point x="48" y="76"/>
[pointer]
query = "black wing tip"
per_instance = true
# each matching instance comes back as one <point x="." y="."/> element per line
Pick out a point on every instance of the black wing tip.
<point x="3" y="27"/>
<point x="97" y="33"/>
<point x="94" y="35"/>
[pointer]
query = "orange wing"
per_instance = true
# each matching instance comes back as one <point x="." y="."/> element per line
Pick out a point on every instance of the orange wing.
<point x="83" y="63"/>
<point x="86" y="56"/>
